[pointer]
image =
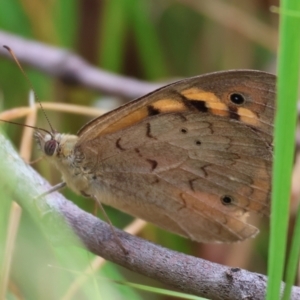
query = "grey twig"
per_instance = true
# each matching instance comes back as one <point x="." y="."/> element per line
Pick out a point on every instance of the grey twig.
<point x="72" y="69"/>
<point x="183" y="272"/>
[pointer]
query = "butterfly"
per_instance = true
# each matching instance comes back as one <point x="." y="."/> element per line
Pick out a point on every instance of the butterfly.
<point x="193" y="157"/>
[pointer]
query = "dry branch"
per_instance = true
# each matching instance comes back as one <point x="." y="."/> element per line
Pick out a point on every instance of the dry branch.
<point x="185" y="273"/>
<point x="72" y="69"/>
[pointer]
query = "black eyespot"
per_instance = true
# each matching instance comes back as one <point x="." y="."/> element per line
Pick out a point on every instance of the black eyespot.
<point x="50" y="147"/>
<point x="237" y="98"/>
<point x="198" y="142"/>
<point x="226" y="199"/>
<point x="183" y="130"/>
<point x="94" y="177"/>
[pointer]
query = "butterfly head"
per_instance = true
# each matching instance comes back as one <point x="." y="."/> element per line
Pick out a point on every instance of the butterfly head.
<point x="55" y="144"/>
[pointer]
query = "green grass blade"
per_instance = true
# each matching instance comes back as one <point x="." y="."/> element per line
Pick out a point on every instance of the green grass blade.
<point x="114" y="29"/>
<point x="150" y="49"/>
<point x="293" y="259"/>
<point x="288" y="78"/>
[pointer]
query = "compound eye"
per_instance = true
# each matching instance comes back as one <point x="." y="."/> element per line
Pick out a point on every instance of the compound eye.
<point x="50" y="147"/>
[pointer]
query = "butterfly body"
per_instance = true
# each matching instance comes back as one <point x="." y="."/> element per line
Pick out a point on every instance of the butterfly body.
<point x="193" y="157"/>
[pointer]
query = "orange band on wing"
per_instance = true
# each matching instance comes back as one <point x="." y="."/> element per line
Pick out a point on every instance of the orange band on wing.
<point x="196" y="94"/>
<point x="169" y="105"/>
<point x="247" y="116"/>
<point x="128" y="120"/>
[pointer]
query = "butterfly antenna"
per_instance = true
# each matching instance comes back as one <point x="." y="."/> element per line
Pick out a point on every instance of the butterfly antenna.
<point x="25" y="125"/>
<point x="30" y="84"/>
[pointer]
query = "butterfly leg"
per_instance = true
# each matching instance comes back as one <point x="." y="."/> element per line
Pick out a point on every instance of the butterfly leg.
<point x="35" y="161"/>
<point x="117" y="239"/>
<point x="53" y="189"/>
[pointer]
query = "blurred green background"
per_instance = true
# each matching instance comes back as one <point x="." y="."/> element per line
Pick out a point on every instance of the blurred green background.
<point x="152" y="40"/>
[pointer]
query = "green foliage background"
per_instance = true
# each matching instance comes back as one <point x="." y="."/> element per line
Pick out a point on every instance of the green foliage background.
<point x="148" y="39"/>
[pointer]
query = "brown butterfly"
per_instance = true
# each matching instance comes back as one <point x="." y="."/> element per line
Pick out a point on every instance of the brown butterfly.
<point x="193" y="157"/>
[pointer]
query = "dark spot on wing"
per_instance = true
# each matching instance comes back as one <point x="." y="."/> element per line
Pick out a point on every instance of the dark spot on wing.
<point x="118" y="144"/>
<point x="191" y="184"/>
<point x="233" y="115"/>
<point x="227" y="199"/>
<point x="137" y="150"/>
<point x="237" y="98"/>
<point x="184" y="130"/>
<point x="153" y="164"/>
<point x="148" y="132"/>
<point x="152" y="111"/>
<point x="199" y="105"/>
<point x="156" y="180"/>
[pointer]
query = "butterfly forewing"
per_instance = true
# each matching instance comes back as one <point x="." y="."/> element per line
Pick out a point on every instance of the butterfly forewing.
<point x="193" y="157"/>
<point x="205" y="92"/>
